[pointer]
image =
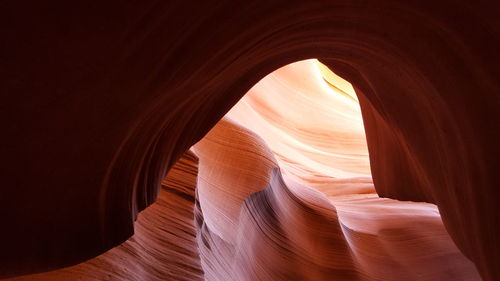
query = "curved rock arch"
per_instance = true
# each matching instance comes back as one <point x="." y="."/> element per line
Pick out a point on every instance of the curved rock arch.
<point x="161" y="75"/>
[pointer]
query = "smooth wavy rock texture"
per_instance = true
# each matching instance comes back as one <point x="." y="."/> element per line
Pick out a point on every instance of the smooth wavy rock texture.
<point x="100" y="99"/>
<point x="253" y="224"/>
<point x="308" y="124"/>
<point x="164" y="245"/>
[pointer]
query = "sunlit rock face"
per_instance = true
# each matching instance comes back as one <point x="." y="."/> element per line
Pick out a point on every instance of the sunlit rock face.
<point x="262" y="216"/>
<point x="99" y="101"/>
<point x="314" y="128"/>
<point x="311" y="120"/>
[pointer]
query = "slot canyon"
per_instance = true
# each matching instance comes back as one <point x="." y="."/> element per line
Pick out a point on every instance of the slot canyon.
<point x="250" y="140"/>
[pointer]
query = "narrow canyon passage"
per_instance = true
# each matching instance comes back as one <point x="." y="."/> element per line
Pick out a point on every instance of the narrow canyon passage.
<point x="280" y="189"/>
<point x="296" y="132"/>
<point x="102" y="103"/>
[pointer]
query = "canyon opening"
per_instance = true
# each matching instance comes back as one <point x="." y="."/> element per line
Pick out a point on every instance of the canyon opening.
<point x="286" y="168"/>
<point x="125" y="154"/>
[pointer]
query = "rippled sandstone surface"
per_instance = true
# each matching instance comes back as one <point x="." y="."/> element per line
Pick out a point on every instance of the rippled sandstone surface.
<point x="258" y="212"/>
<point x="99" y="101"/>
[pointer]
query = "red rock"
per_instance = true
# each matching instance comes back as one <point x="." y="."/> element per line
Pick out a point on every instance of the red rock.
<point x="100" y="100"/>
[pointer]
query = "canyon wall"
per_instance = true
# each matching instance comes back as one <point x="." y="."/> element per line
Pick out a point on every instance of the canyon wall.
<point x="164" y="245"/>
<point x="99" y="100"/>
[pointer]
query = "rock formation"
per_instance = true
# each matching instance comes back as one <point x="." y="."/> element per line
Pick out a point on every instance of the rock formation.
<point x="164" y="245"/>
<point x="100" y="100"/>
<point x="260" y="225"/>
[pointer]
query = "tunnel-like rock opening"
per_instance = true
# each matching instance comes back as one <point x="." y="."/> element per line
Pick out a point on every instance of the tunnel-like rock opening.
<point x="99" y="101"/>
<point x="280" y="189"/>
<point x="261" y="217"/>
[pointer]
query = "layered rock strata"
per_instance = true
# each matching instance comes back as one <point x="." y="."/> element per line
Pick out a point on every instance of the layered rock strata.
<point x="99" y="100"/>
<point x="164" y="245"/>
